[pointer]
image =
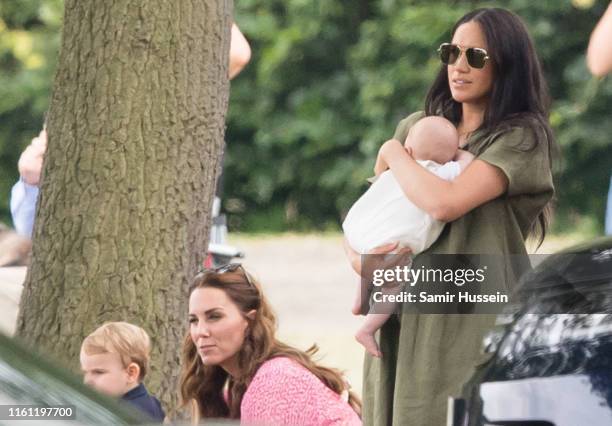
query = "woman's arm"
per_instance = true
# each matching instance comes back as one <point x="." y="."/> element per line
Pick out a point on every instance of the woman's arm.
<point x="380" y="166"/>
<point x="240" y="52"/>
<point x="443" y="200"/>
<point x="599" y="53"/>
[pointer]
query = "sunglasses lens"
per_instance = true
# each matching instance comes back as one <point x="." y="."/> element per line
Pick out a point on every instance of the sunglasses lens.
<point x="476" y="57"/>
<point x="449" y="53"/>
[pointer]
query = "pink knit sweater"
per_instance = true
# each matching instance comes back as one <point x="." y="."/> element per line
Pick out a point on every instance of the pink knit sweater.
<point x="285" y="393"/>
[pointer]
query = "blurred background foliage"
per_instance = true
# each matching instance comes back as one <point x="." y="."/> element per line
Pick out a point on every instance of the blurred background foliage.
<point x="327" y="83"/>
<point x="29" y="43"/>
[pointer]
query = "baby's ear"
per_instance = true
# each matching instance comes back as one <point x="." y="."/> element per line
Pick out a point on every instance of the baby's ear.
<point x="133" y="371"/>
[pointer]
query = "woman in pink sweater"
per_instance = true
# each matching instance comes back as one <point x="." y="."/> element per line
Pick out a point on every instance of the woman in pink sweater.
<point x="234" y="367"/>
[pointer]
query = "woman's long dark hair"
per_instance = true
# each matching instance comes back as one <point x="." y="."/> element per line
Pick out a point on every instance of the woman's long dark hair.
<point x="519" y="95"/>
<point x="205" y="384"/>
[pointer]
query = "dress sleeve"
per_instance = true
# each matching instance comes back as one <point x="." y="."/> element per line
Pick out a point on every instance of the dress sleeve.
<point x="524" y="158"/>
<point x="401" y="131"/>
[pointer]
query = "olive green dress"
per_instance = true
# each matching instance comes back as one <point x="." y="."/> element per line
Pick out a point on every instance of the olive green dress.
<point x="428" y="357"/>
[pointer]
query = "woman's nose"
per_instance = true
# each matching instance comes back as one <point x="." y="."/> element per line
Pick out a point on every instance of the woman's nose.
<point x="462" y="64"/>
<point x="202" y="329"/>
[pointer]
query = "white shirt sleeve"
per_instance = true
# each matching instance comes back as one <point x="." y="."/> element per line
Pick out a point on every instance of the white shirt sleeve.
<point x="23" y="207"/>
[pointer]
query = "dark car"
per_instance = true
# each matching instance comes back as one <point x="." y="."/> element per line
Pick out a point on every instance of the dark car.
<point x="30" y="382"/>
<point x="551" y="356"/>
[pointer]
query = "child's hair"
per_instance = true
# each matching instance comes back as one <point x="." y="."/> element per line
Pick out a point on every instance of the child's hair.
<point x="129" y="341"/>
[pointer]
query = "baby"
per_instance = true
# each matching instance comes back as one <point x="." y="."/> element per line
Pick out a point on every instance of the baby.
<point x="115" y="360"/>
<point x="384" y="214"/>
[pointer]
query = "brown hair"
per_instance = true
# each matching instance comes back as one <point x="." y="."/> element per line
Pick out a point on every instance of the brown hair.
<point x="205" y="384"/>
<point x="127" y="340"/>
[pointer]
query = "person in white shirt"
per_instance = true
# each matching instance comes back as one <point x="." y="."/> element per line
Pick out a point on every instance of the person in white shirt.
<point x="24" y="194"/>
<point x="385" y="215"/>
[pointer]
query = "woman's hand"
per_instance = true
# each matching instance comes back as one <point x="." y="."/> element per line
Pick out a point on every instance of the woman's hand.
<point x="355" y="258"/>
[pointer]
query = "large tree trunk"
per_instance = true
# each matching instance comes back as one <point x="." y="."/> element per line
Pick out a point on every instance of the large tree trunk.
<point x="136" y="129"/>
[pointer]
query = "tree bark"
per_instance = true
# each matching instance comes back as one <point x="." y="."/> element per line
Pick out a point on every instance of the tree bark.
<point x="136" y="128"/>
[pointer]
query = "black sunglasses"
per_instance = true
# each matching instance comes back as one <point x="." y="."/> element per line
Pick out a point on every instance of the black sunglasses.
<point x="450" y="53"/>
<point x="230" y="267"/>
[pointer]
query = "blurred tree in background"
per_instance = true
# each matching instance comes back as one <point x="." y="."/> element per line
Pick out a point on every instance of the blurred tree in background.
<point x="327" y="83"/>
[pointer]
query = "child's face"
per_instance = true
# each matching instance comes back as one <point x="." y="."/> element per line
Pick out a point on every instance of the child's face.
<point x="106" y="374"/>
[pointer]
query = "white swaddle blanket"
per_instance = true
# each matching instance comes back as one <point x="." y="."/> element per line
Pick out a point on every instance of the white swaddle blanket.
<point x="383" y="214"/>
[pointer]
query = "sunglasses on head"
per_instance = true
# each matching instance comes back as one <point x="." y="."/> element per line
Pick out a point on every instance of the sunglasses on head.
<point x="450" y="53"/>
<point x="230" y="267"/>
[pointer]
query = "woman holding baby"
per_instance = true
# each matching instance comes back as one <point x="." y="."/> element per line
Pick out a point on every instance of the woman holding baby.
<point x="491" y="88"/>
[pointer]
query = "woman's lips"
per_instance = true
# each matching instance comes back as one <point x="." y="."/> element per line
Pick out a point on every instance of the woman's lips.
<point x="459" y="82"/>
<point x="205" y="348"/>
